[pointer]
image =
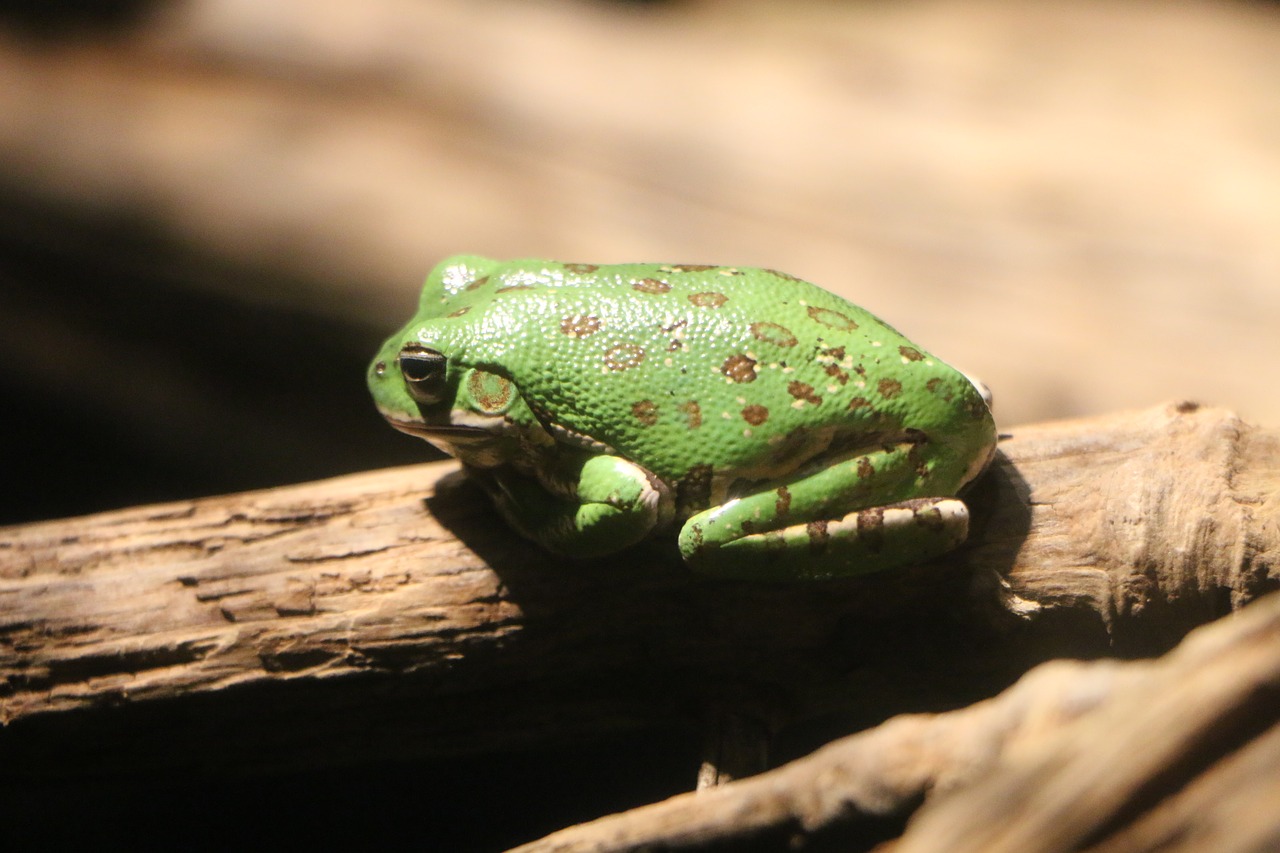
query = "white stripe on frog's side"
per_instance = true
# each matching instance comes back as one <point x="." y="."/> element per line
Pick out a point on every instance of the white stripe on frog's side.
<point x="979" y="465"/>
<point x="982" y="389"/>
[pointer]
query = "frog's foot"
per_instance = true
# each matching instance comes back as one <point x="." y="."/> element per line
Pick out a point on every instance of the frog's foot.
<point x="862" y="541"/>
<point x="864" y="510"/>
<point x="587" y="507"/>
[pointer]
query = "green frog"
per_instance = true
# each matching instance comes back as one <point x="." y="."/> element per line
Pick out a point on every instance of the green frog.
<point x="781" y="431"/>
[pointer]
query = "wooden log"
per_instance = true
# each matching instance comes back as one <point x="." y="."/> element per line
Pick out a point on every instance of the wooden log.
<point x="390" y="613"/>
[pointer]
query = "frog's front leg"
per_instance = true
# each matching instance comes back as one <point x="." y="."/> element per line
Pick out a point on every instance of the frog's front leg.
<point x="582" y="505"/>
<point x="865" y="511"/>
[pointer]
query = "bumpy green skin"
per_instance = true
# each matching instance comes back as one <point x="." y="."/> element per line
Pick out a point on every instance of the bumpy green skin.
<point x="789" y="432"/>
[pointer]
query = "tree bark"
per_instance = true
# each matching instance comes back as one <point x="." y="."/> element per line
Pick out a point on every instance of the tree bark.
<point x="390" y="613"/>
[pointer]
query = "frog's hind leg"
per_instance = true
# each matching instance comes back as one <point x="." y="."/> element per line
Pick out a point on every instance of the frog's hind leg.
<point x="862" y="541"/>
<point x="865" y="511"/>
<point x="586" y="506"/>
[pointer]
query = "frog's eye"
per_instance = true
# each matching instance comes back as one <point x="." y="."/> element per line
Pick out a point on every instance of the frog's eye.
<point x="423" y="370"/>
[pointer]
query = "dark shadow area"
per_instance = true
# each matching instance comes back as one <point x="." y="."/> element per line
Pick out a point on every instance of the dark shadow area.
<point x="125" y="384"/>
<point x="360" y="763"/>
<point x="58" y="18"/>
<point x="478" y="803"/>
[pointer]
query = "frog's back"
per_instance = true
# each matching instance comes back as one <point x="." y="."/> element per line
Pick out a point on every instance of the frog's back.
<point x="683" y="369"/>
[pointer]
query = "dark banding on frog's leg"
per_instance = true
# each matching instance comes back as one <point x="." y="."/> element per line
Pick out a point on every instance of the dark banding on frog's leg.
<point x="829" y="522"/>
<point x="863" y="541"/>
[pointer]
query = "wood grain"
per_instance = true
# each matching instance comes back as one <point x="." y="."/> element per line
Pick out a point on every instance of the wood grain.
<point x="421" y="623"/>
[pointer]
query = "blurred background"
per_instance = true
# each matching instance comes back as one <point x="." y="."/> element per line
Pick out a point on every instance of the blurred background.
<point x="213" y="211"/>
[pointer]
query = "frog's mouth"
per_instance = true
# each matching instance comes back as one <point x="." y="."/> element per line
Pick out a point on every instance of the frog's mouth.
<point x="452" y="433"/>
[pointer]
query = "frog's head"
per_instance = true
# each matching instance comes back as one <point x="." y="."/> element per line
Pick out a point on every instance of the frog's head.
<point x="422" y="391"/>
